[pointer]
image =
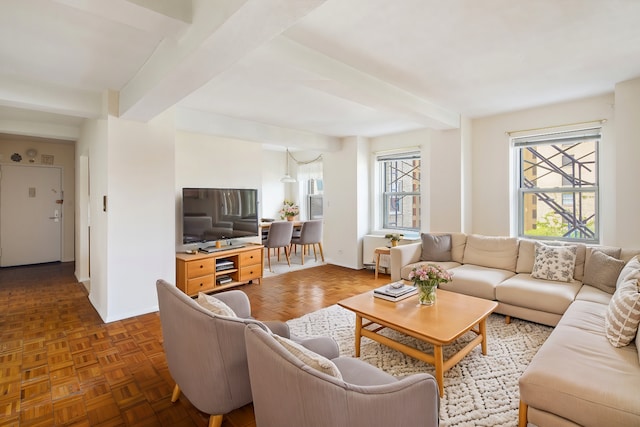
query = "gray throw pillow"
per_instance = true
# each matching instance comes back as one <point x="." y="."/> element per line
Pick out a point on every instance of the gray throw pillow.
<point x="601" y="271"/>
<point x="436" y="247"/>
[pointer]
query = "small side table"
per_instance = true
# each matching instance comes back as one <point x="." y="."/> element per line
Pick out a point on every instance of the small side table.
<point x="382" y="250"/>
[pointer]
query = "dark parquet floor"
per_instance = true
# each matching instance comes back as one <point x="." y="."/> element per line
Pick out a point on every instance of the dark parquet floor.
<point x="61" y="365"/>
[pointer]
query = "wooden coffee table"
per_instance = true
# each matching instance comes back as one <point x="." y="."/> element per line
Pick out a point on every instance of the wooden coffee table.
<point x="452" y="316"/>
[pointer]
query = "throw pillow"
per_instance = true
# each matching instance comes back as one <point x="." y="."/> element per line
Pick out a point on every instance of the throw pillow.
<point x="623" y="313"/>
<point x="632" y="266"/>
<point x="602" y="271"/>
<point x="215" y="305"/>
<point x="554" y="262"/>
<point x="436" y="247"/>
<point x="308" y="357"/>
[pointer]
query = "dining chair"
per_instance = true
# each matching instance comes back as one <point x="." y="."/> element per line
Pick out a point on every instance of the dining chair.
<point x="310" y="235"/>
<point x="279" y="236"/>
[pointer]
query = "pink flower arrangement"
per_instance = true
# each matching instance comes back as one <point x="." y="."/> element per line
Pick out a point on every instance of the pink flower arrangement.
<point x="429" y="275"/>
<point x="289" y="209"/>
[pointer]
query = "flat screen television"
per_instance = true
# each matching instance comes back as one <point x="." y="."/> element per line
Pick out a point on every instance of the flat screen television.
<point x="210" y="214"/>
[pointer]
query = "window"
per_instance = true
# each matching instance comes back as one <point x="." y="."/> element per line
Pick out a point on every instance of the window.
<point x="310" y="188"/>
<point x="400" y="184"/>
<point x="557" y="185"/>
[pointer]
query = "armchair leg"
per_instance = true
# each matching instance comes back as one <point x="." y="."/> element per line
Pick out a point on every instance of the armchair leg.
<point x="522" y="414"/>
<point x="215" y="420"/>
<point x="507" y="319"/>
<point x="176" y="393"/>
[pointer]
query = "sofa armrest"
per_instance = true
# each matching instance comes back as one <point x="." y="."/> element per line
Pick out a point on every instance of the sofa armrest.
<point x="402" y="255"/>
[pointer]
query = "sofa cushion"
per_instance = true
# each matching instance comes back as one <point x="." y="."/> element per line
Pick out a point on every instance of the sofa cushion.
<point x="601" y="271"/>
<point x="476" y="280"/>
<point x="589" y="293"/>
<point x="612" y="251"/>
<point x="491" y="251"/>
<point x="554" y="262"/>
<point x="579" y="376"/>
<point x="458" y="244"/>
<point x="623" y="313"/>
<point x="527" y="254"/>
<point x="631" y="267"/>
<point x="436" y="247"/>
<point x="215" y="305"/>
<point x="308" y="357"/>
<point x="522" y="290"/>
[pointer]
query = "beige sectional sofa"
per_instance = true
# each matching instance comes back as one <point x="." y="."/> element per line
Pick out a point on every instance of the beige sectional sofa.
<point x="577" y="378"/>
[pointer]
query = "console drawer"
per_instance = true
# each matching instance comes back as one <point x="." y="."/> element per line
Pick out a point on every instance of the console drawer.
<point x="251" y="257"/>
<point x="250" y="272"/>
<point x="200" y="268"/>
<point x="200" y="284"/>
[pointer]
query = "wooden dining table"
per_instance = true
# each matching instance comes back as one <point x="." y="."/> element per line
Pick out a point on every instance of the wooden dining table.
<point x="267" y="225"/>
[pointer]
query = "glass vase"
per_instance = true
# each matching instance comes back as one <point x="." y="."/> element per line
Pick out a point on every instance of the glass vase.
<point x="427" y="295"/>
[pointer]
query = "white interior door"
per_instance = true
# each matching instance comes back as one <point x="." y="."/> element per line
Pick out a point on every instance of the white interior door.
<point x="30" y="214"/>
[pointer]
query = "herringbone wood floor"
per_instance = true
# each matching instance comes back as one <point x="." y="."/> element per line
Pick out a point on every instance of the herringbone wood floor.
<point x="61" y="365"/>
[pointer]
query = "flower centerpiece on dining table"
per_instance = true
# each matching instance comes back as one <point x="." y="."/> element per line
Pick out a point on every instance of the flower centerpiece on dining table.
<point x="289" y="210"/>
<point x="427" y="277"/>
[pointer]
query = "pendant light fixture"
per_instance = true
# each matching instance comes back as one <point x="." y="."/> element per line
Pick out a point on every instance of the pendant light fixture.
<point x="287" y="178"/>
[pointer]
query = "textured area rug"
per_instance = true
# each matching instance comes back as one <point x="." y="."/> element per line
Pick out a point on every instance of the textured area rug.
<point x="281" y="267"/>
<point x="478" y="391"/>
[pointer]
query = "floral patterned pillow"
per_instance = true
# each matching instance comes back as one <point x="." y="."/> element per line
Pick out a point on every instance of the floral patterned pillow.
<point x="554" y="262"/>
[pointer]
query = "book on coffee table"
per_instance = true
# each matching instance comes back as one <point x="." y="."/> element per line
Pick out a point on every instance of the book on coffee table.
<point x="392" y="293"/>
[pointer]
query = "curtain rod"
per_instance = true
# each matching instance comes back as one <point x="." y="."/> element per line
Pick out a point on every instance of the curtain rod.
<point x="559" y="127"/>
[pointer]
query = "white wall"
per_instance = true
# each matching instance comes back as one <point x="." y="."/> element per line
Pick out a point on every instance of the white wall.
<point x="491" y="201"/>
<point x="341" y="211"/>
<point x="444" y="181"/>
<point x="627" y="173"/>
<point x="275" y="192"/>
<point x="210" y="161"/>
<point x="132" y="164"/>
<point x="140" y="214"/>
<point x="93" y="144"/>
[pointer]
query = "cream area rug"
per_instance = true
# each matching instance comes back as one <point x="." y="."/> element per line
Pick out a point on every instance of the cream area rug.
<point x="478" y="391"/>
<point x="281" y="267"/>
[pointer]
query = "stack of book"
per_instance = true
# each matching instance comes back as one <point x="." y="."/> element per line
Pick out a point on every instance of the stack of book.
<point x="395" y="292"/>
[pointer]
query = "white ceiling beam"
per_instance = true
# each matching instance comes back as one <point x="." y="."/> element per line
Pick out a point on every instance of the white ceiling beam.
<point x="43" y="130"/>
<point x="213" y="124"/>
<point x="166" y="19"/>
<point x="344" y="81"/>
<point x="222" y="33"/>
<point x="39" y="96"/>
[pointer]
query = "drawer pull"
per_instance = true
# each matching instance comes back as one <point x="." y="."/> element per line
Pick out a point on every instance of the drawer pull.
<point x="201" y="266"/>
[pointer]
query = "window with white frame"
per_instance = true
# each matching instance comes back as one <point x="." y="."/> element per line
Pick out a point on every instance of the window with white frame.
<point x="400" y="195"/>
<point x="310" y="188"/>
<point x="557" y="185"/>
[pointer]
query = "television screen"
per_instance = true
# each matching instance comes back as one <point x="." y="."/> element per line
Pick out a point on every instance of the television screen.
<point x="210" y="214"/>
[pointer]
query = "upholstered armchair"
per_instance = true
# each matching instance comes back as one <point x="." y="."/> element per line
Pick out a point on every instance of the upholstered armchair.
<point x="206" y="353"/>
<point x="310" y="235"/>
<point x="289" y="392"/>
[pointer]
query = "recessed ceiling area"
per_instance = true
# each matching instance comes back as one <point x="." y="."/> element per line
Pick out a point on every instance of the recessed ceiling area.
<point x="305" y="72"/>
